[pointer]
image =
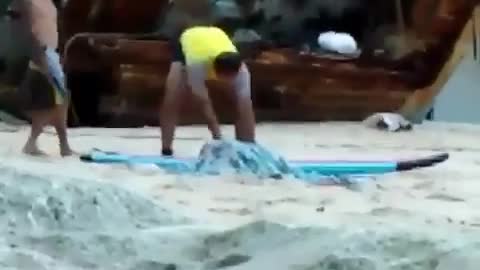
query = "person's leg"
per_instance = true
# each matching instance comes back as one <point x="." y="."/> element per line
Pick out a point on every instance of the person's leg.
<point x="48" y="106"/>
<point x="31" y="94"/>
<point x="59" y="122"/>
<point x="174" y="89"/>
<point x="59" y="100"/>
<point x="245" y="122"/>
<point x="39" y="120"/>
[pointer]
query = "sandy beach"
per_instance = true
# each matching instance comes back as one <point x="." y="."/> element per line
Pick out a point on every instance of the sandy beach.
<point x="64" y="214"/>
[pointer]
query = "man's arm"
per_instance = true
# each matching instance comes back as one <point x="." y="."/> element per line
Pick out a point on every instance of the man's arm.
<point x="196" y="79"/>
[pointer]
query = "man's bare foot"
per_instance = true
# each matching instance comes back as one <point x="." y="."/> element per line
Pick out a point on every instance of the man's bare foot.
<point x="33" y="150"/>
<point x="66" y="152"/>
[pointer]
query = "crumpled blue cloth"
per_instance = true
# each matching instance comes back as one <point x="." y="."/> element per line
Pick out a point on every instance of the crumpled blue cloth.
<point x="240" y="157"/>
<point x="55" y="69"/>
<point x="223" y="156"/>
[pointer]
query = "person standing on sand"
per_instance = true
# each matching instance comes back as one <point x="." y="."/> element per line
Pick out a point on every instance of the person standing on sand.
<point x="44" y="83"/>
<point x="204" y="53"/>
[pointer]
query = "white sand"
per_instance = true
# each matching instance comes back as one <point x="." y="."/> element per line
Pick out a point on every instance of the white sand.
<point x="119" y="217"/>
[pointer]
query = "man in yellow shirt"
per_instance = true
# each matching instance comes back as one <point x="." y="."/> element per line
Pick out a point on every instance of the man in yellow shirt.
<point x="201" y="53"/>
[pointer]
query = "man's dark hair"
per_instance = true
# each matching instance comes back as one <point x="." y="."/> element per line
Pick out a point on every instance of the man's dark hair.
<point x="227" y="62"/>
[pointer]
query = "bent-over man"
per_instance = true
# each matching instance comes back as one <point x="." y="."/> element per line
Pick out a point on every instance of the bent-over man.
<point x="206" y="53"/>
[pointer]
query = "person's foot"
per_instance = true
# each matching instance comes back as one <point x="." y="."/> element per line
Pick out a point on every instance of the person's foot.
<point x="33" y="150"/>
<point x="65" y="152"/>
<point x="167" y="152"/>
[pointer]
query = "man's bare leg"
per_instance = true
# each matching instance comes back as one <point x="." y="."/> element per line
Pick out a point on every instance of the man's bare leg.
<point x="245" y="124"/>
<point x="174" y="89"/>
<point x="60" y="124"/>
<point x="39" y="120"/>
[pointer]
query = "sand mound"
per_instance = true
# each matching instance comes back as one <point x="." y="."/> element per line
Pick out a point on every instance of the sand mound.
<point x="263" y="245"/>
<point x="77" y="224"/>
<point x="73" y="223"/>
<point x="35" y="203"/>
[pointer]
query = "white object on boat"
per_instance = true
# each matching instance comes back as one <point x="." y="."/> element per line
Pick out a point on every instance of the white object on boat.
<point x="342" y="43"/>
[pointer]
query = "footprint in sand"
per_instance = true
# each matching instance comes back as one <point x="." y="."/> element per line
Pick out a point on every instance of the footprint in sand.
<point x="424" y="185"/>
<point x="387" y="211"/>
<point x="226" y="199"/>
<point x="240" y="212"/>
<point x="376" y="197"/>
<point x="282" y="200"/>
<point x="183" y="202"/>
<point x="177" y="186"/>
<point x="328" y="201"/>
<point x="444" y="197"/>
<point x="231" y="260"/>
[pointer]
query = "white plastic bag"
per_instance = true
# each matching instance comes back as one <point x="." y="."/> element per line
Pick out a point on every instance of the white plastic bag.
<point x="342" y="43"/>
<point x="392" y="122"/>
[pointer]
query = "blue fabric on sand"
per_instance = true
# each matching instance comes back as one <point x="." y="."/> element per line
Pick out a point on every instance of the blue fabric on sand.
<point x="239" y="157"/>
<point x="221" y="156"/>
<point x="225" y="156"/>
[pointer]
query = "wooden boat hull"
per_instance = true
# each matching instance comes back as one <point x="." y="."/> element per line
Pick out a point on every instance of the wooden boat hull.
<point x="121" y="79"/>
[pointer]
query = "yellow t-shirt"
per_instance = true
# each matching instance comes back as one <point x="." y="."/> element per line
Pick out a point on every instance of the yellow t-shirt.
<point x="201" y="44"/>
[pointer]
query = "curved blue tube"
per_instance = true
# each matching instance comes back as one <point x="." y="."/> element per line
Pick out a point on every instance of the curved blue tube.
<point x="344" y="168"/>
<point x="177" y="165"/>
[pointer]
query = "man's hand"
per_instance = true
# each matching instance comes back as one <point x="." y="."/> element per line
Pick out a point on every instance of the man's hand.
<point x="212" y="120"/>
<point x="196" y="80"/>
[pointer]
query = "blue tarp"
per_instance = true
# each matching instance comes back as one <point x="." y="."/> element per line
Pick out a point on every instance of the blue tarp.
<point x="223" y="156"/>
